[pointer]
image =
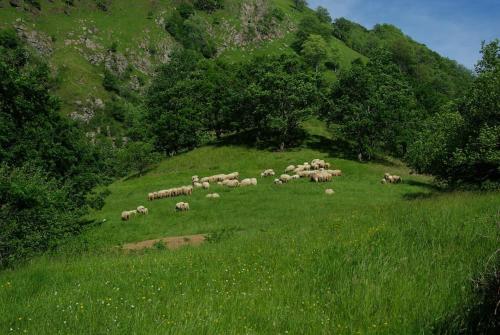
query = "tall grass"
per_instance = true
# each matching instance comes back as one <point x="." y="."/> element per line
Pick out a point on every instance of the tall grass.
<point x="372" y="258"/>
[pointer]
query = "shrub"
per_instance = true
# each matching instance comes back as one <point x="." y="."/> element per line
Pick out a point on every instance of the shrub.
<point x="209" y="5"/>
<point x="36" y="213"/>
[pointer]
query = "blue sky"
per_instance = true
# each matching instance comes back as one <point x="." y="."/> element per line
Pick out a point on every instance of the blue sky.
<point x="454" y="28"/>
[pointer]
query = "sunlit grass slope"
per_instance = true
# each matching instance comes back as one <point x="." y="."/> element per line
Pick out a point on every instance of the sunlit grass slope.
<point x="283" y="259"/>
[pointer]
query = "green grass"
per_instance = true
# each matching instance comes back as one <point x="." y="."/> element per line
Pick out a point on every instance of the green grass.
<point x="373" y="258"/>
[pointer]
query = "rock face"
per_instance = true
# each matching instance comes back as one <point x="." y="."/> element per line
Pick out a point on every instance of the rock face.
<point x="86" y="111"/>
<point x="37" y="40"/>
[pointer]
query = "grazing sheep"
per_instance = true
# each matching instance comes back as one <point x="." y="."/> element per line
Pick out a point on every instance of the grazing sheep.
<point x="205" y="185"/>
<point x="198" y="185"/>
<point x="267" y="173"/>
<point x="195" y="179"/>
<point x="231" y="183"/>
<point x="248" y="182"/>
<point x="290" y="168"/>
<point x="321" y="177"/>
<point x="151" y="196"/>
<point x="126" y="215"/>
<point x="329" y="191"/>
<point x="306" y="174"/>
<point x="245" y="182"/>
<point x="182" y="206"/>
<point x="285" y="178"/>
<point x="383" y="181"/>
<point x="336" y="173"/>
<point x="231" y="176"/>
<point x="278" y="182"/>
<point x="397" y="179"/>
<point x="142" y="210"/>
<point x="392" y="179"/>
<point x="213" y="195"/>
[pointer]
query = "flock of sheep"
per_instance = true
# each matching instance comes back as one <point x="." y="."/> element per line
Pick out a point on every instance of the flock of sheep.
<point x="317" y="171"/>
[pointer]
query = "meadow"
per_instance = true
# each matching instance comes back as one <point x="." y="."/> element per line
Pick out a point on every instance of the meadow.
<point x="287" y="259"/>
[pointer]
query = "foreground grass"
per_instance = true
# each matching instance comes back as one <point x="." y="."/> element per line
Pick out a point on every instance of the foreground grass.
<point x="371" y="259"/>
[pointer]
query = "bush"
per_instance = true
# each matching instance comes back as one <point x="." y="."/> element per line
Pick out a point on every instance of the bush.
<point x="209" y="5"/>
<point x="36" y="213"/>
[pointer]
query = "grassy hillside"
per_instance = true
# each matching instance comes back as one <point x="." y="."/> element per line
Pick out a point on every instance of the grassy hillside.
<point x="372" y="258"/>
<point x="77" y="40"/>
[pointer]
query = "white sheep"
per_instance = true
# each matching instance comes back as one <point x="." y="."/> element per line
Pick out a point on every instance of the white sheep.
<point x="290" y="168"/>
<point x="278" y="182"/>
<point x="142" y="210"/>
<point x="267" y="173"/>
<point x="126" y="215"/>
<point x="205" y="185"/>
<point x="285" y="178"/>
<point x="182" y="206"/>
<point x="213" y="195"/>
<point x="329" y="191"/>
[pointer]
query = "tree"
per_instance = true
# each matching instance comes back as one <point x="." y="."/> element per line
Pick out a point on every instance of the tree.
<point x="315" y="51"/>
<point x="311" y="25"/>
<point x="374" y="106"/>
<point x="323" y="15"/>
<point x="300" y="5"/>
<point x="467" y="150"/>
<point x="281" y="94"/>
<point x="137" y="157"/>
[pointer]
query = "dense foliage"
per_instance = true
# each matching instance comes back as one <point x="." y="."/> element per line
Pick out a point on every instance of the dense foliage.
<point x="461" y="144"/>
<point x="192" y="98"/>
<point x="434" y="79"/>
<point x="48" y="169"/>
<point x="375" y="107"/>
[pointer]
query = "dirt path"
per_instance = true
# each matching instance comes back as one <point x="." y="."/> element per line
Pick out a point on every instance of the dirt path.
<point x="171" y="243"/>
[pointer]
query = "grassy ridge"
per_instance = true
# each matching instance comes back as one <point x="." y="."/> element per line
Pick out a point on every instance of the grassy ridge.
<point x="372" y="258"/>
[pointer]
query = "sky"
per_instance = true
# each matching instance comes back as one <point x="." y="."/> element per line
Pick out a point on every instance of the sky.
<point x="453" y="28"/>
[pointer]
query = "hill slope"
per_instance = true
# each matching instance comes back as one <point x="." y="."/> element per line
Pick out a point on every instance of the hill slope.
<point x="372" y="258"/>
<point x="129" y="39"/>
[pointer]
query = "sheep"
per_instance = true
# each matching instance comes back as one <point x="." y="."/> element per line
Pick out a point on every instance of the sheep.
<point x="392" y="179"/>
<point x="335" y="173"/>
<point x="321" y="177"/>
<point x="278" y="182"/>
<point x="213" y="195"/>
<point x="231" y="183"/>
<point x="383" y="181"/>
<point x="267" y="173"/>
<point x="151" y="196"/>
<point x="285" y="178"/>
<point x="254" y="181"/>
<point x="397" y="179"/>
<point x="329" y="191"/>
<point x="142" y="210"/>
<point x="126" y="215"/>
<point x="248" y="182"/>
<point x="231" y="176"/>
<point x="305" y="174"/>
<point x="198" y="185"/>
<point x="187" y="190"/>
<point x="195" y="179"/>
<point x="205" y="185"/>
<point x="295" y="176"/>
<point x="290" y="168"/>
<point x="182" y="206"/>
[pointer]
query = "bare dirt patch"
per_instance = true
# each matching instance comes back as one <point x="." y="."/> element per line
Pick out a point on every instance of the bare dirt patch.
<point x="171" y="243"/>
